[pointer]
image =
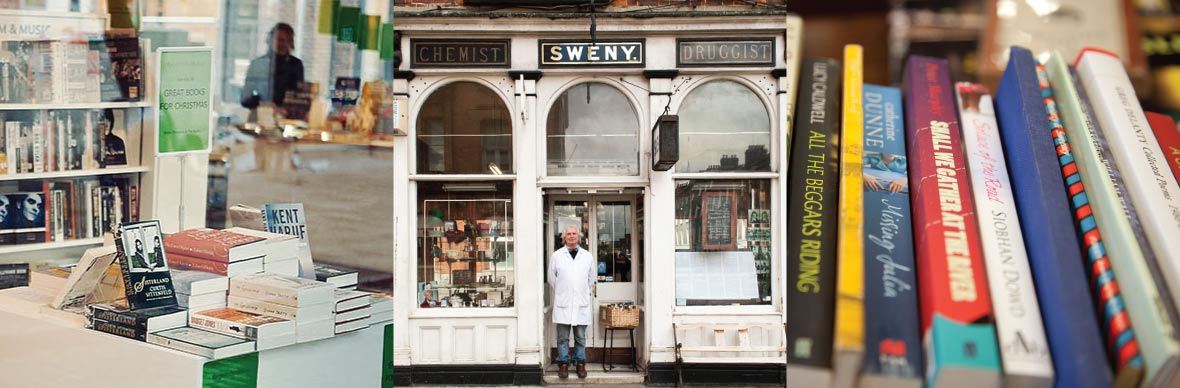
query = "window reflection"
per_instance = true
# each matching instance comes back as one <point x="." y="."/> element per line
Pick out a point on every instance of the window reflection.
<point x="724" y="126"/>
<point x="592" y="130"/>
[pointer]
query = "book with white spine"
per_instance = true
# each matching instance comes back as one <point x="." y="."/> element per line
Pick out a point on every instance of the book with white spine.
<point x="284" y="290"/>
<point x="301" y="314"/>
<point x="1137" y="154"/>
<point x="1017" y="312"/>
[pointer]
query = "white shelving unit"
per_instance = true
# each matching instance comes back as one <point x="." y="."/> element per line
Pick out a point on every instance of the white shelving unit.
<point x="154" y="174"/>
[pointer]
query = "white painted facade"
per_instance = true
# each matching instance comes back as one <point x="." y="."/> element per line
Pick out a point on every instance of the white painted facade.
<point x="519" y="335"/>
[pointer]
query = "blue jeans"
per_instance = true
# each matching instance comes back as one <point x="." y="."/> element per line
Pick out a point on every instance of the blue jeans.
<point x="563" y="343"/>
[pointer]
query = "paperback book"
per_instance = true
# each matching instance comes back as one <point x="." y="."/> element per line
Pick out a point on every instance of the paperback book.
<point x="146" y="279"/>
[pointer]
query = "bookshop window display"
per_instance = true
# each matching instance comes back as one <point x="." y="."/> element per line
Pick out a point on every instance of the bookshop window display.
<point x="464" y="128"/>
<point x="581" y="140"/>
<point x="466" y="244"/>
<point x="723" y="239"/>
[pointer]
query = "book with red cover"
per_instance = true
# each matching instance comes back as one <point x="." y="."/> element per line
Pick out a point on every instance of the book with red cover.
<point x="957" y="327"/>
<point x="189" y="263"/>
<point x="1169" y="138"/>
<point x="217" y="245"/>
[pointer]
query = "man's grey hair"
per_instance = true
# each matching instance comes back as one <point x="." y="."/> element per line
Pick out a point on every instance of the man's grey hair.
<point x="571" y="227"/>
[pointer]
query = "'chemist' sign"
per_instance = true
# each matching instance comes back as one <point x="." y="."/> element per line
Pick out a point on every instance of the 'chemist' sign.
<point x="184" y="84"/>
<point x="602" y="52"/>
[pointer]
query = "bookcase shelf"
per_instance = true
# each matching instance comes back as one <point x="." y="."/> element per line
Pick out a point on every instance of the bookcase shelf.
<point x="7" y="249"/>
<point x="73" y="173"/>
<point x="79" y="105"/>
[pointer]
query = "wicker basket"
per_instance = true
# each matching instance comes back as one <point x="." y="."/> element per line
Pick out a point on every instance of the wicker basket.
<point x="618" y="317"/>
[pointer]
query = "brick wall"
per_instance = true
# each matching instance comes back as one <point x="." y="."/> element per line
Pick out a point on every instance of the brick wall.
<point x="613" y="3"/>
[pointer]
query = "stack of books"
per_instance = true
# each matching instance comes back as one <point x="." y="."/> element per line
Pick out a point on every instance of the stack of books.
<point x="382" y="309"/>
<point x="308" y="303"/>
<point x="134" y="324"/>
<point x="352" y="310"/>
<point x="201" y="342"/>
<point x="282" y="251"/>
<point x="341" y="277"/>
<point x="216" y="251"/>
<point x="200" y="291"/>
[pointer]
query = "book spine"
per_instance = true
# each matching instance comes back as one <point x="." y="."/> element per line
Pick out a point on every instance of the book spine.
<point x="263" y="308"/>
<point x="849" y="332"/>
<point x="182" y="262"/>
<point x="38" y="147"/>
<point x="124" y="267"/>
<point x="1056" y="260"/>
<point x="1120" y="337"/>
<point x="1024" y="349"/>
<point x="128" y="319"/>
<point x="811" y="225"/>
<point x="263" y="292"/>
<point x="135" y="333"/>
<point x="180" y="345"/>
<point x="1152" y="312"/>
<point x="956" y="306"/>
<point x="208" y="249"/>
<point x="1169" y="138"/>
<point x="893" y="340"/>
<point x="227" y="327"/>
<point x="1138" y="156"/>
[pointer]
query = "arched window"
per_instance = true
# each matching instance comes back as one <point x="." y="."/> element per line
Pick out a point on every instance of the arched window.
<point x="723" y="127"/>
<point x="464" y="128"/>
<point x="592" y="130"/>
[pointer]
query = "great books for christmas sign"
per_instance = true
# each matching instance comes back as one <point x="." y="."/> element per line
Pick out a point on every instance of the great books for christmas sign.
<point x="184" y="83"/>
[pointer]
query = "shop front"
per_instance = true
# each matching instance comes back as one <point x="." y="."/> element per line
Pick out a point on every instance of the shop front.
<point x="522" y="126"/>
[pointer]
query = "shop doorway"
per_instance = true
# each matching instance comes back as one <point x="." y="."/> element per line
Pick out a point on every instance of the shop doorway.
<point x="612" y="230"/>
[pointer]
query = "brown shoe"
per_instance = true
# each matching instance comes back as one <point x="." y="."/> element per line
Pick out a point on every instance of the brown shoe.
<point x="563" y="370"/>
<point x="581" y="369"/>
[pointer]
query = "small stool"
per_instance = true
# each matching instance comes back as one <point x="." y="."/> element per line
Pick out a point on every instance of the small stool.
<point x="607" y="352"/>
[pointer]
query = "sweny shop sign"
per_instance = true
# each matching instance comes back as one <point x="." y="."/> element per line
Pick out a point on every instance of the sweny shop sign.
<point x="601" y="52"/>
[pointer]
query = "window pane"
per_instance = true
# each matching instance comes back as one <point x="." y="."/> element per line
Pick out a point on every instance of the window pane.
<point x="466" y="250"/>
<point x="723" y="242"/>
<point x="723" y="127"/>
<point x="464" y="128"/>
<point x="593" y="130"/>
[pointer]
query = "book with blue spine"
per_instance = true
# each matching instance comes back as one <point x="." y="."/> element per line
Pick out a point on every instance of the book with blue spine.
<point x="1045" y="219"/>
<point x="892" y="341"/>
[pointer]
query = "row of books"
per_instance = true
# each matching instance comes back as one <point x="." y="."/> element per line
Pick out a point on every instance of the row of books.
<point x="67" y="140"/>
<point x="65" y="209"/>
<point x="944" y="237"/>
<point x="97" y="69"/>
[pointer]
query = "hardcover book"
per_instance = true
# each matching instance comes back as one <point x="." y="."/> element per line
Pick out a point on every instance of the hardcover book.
<point x="201" y="342"/>
<point x="1140" y="163"/>
<point x="352" y="325"/>
<point x="1168" y="136"/>
<point x="1136" y="291"/>
<point x="334" y="274"/>
<point x="290" y="219"/>
<point x="811" y="225"/>
<point x="85" y="277"/>
<point x="215" y="245"/>
<point x="959" y="337"/>
<point x="126" y="68"/>
<point x="893" y="341"/>
<point x="349" y="299"/>
<point x="146" y="279"/>
<point x="144" y="320"/>
<point x="198" y="283"/>
<point x="188" y="263"/>
<point x="1055" y="258"/>
<point x="29" y="219"/>
<point x="848" y="343"/>
<point x="1017" y="314"/>
<point x="284" y="290"/>
<point x="268" y="332"/>
<point x="279" y="247"/>
<point x="301" y="314"/>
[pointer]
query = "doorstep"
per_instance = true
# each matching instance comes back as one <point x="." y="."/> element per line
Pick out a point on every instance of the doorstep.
<point x="618" y="377"/>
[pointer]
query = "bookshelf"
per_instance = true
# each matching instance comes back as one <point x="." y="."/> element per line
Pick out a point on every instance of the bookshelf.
<point x="79" y="135"/>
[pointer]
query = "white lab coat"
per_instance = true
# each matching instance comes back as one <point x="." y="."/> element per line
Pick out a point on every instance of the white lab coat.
<point x="572" y="280"/>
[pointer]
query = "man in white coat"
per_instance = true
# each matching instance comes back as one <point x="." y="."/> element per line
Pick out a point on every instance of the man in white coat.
<point x="572" y="274"/>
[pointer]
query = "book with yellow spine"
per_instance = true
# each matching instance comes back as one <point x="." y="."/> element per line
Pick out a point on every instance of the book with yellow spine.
<point x="848" y="344"/>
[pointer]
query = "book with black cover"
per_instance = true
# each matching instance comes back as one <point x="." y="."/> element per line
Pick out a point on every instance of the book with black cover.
<point x="811" y="225"/>
<point x="143" y="320"/>
<point x="29" y="221"/>
<point x="146" y="279"/>
<point x="14" y="275"/>
<point x="126" y="68"/>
